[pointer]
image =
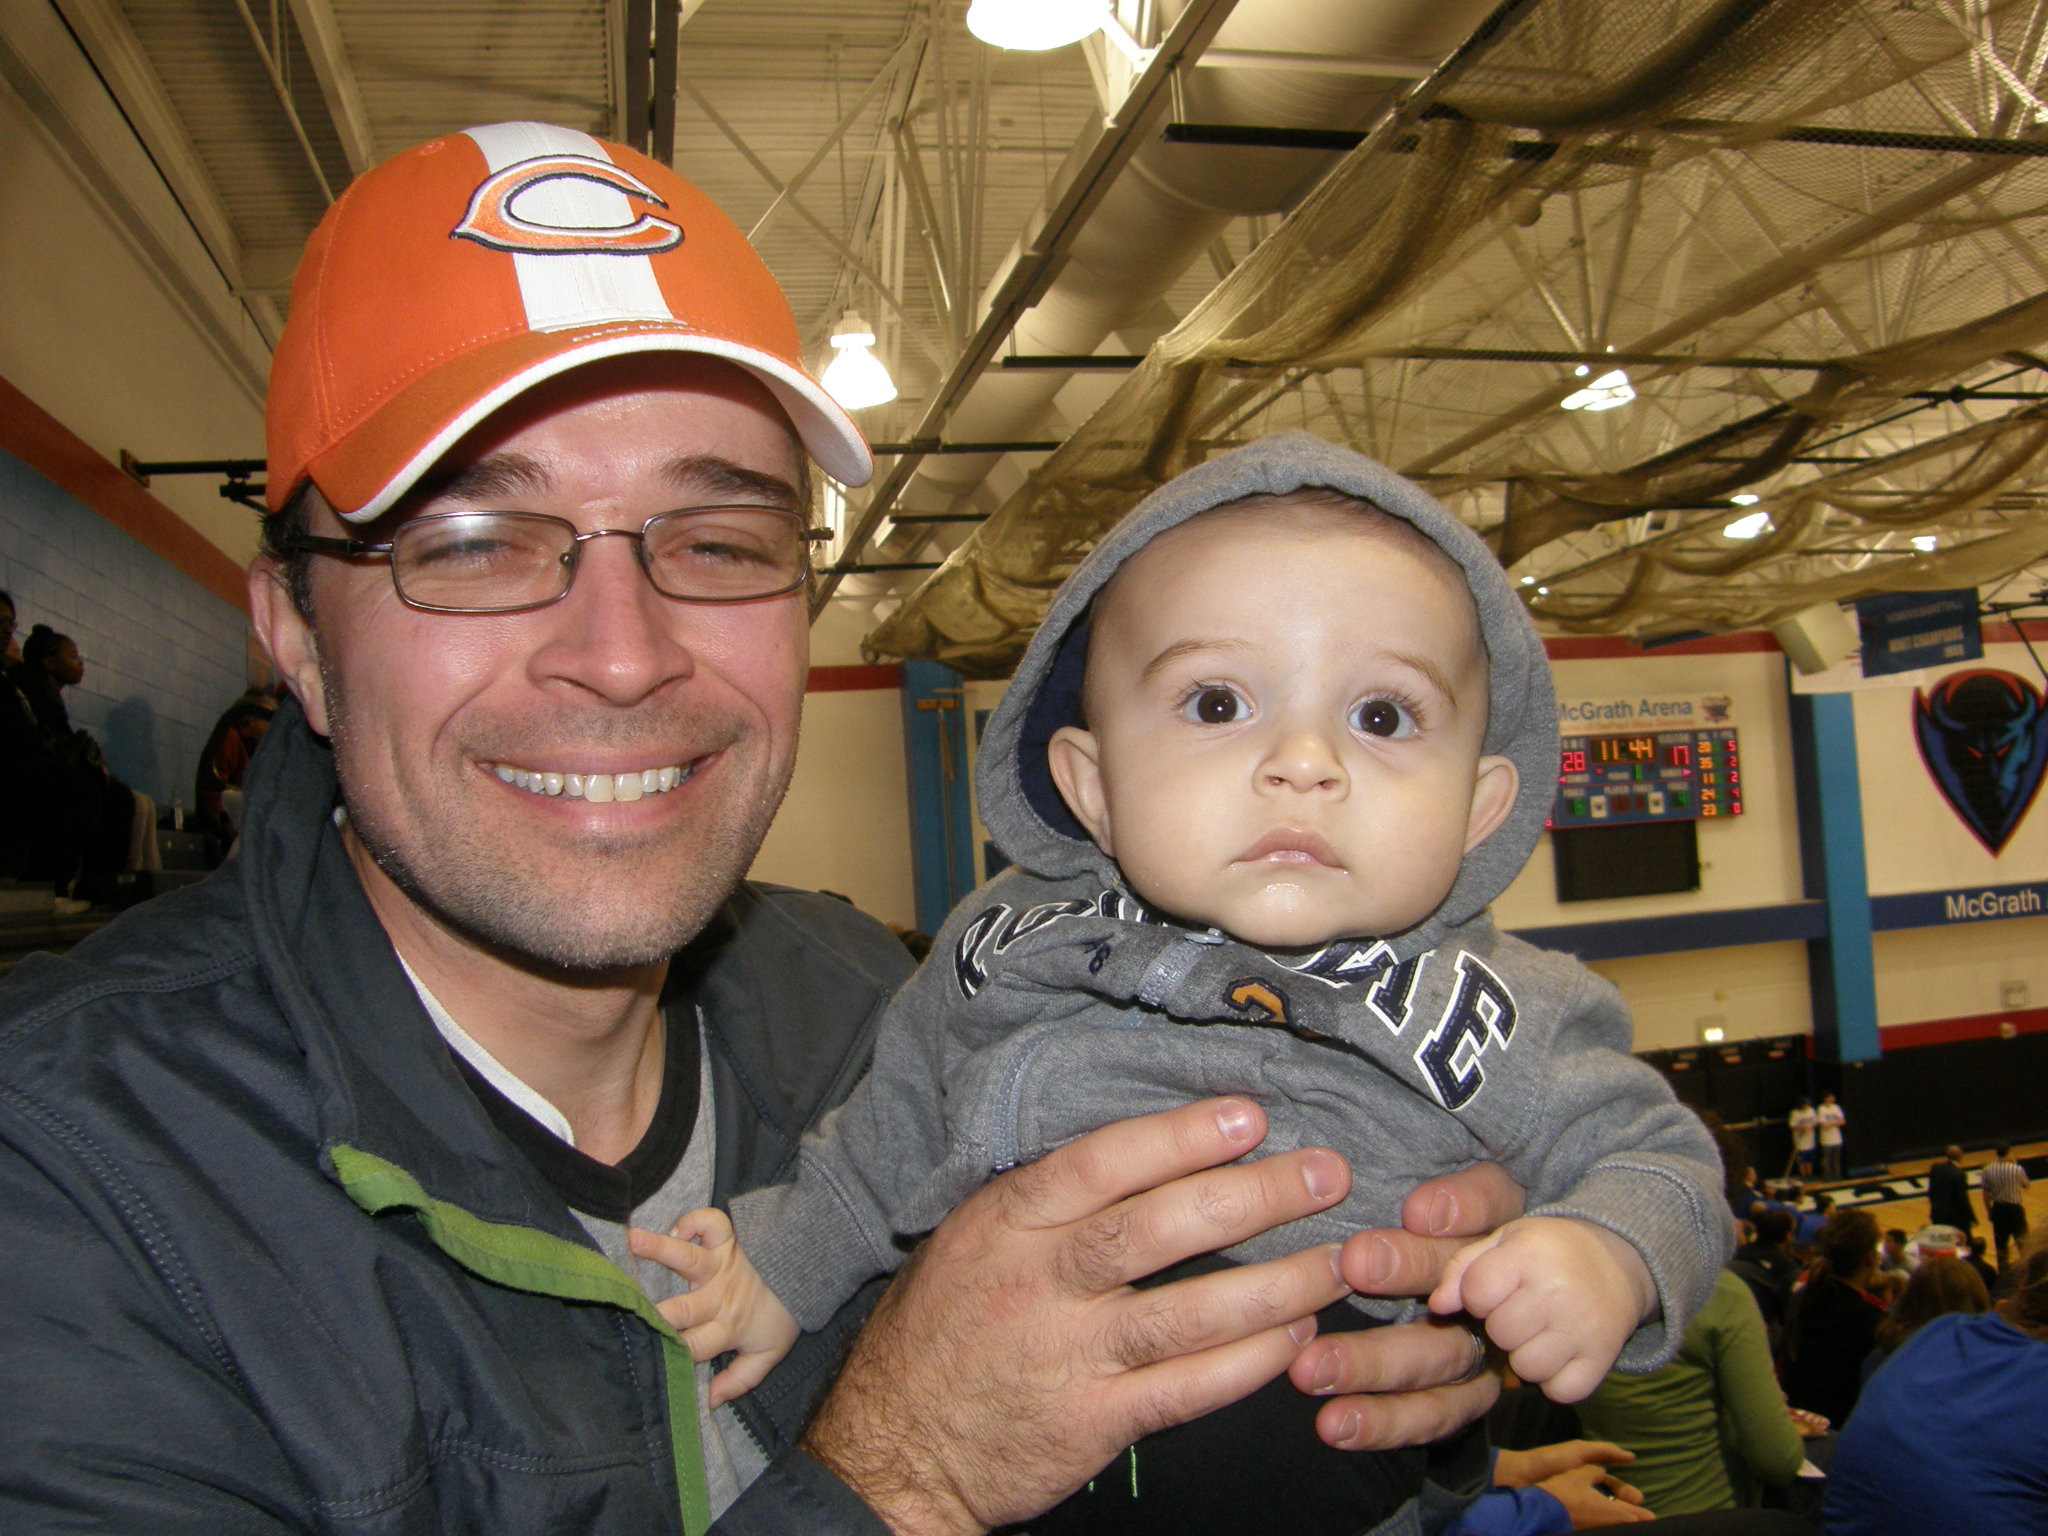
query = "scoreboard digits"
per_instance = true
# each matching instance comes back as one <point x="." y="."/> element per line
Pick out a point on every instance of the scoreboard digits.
<point x="1648" y="776"/>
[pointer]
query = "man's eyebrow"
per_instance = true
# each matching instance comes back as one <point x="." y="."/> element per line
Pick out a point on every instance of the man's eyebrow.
<point x="706" y="474"/>
<point x="495" y="476"/>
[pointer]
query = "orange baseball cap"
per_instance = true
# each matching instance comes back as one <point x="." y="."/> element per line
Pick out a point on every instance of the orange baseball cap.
<point x="460" y="274"/>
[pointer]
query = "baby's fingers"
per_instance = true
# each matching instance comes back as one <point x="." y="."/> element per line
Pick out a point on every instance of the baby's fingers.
<point x="1449" y="1295"/>
<point x="710" y="1227"/>
<point x="694" y="1262"/>
<point x="746" y="1372"/>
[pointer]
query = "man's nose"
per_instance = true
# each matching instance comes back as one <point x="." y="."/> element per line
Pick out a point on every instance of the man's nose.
<point x="614" y="635"/>
<point x="1303" y="758"/>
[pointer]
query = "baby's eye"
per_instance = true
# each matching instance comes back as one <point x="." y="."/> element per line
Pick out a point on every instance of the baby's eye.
<point x="1215" y="705"/>
<point x="1382" y="717"/>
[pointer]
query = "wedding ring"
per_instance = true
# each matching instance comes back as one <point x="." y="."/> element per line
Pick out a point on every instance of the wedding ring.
<point x="1476" y="1332"/>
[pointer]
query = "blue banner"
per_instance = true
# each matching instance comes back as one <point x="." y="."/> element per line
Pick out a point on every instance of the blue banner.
<point x="1978" y="904"/>
<point x="1905" y="631"/>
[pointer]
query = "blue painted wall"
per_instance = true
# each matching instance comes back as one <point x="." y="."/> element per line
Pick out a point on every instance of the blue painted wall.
<point x="163" y="656"/>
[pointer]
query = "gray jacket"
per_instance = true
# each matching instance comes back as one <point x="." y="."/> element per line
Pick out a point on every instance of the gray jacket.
<point x="1054" y="1002"/>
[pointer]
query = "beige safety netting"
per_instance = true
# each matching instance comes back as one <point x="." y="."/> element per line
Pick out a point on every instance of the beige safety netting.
<point x="1656" y="128"/>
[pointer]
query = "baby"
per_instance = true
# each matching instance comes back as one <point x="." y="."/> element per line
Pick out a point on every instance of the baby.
<point x="1280" y="741"/>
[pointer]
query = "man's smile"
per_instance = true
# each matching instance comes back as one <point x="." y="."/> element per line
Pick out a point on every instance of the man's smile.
<point x="597" y="788"/>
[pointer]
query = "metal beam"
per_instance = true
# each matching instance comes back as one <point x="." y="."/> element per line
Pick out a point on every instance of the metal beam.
<point x="282" y="90"/>
<point x="832" y="237"/>
<point x="321" y="35"/>
<point x="1748" y="291"/>
<point x="1021" y="285"/>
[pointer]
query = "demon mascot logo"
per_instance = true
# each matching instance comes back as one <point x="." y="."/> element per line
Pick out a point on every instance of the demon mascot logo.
<point x="1984" y="738"/>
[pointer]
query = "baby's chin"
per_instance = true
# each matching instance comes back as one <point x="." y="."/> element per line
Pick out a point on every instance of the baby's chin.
<point x="1284" y="929"/>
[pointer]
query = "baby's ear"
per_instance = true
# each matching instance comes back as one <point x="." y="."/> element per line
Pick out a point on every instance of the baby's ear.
<point x="1493" y="796"/>
<point x="1072" y="755"/>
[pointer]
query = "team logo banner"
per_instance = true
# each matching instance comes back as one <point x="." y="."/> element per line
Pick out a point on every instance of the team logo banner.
<point x="1984" y="738"/>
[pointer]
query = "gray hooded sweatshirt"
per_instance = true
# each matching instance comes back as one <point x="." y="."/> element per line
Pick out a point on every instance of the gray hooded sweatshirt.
<point x="1054" y="1002"/>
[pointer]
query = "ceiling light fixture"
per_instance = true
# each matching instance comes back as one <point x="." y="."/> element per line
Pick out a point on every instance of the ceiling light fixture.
<point x="1605" y="393"/>
<point x="1745" y="498"/>
<point x="1748" y="527"/>
<point x="856" y="377"/>
<point x="1926" y="543"/>
<point x="1035" y="26"/>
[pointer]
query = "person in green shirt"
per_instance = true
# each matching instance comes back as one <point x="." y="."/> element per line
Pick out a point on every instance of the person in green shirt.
<point x="1710" y="1430"/>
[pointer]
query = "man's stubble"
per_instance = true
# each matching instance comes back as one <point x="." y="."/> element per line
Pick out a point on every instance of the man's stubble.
<point x="465" y="882"/>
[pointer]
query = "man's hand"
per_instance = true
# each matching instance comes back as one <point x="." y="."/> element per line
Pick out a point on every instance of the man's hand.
<point x="1574" y="1472"/>
<point x="1413" y="1383"/>
<point x="1011" y="1359"/>
<point x="1594" y="1497"/>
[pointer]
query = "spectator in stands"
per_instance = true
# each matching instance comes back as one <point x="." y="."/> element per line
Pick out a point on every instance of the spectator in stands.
<point x="1937" y="1288"/>
<point x="1803" y="1122"/>
<point x="1891" y="1255"/>
<point x="1768" y="1268"/>
<point x="1831" y="1322"/>
<point x="1831" y="1119"/>
<point x="1807" y="1224"/>
<point x="48" y="811"/>
<point x="1710" y="1430"/>
<point x="217" y="784"/>
<point x="2004" y="1183"/>
<point x="120" y="832"/>
<point x="1953" y="1433"/>
<point x="1948" y="1196"/>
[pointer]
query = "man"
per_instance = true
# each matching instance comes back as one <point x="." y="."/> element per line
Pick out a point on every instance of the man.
<point x="315" y="1178"/>
<point x="1948" y="1196"/>
<point x="2004" y="1183"/>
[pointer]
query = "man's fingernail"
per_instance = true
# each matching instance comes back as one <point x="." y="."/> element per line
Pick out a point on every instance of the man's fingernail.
<point x="1322" y="1178"/>
<point x="1324" y="1381"/>
<point x="1443" y="1214"/>
<point x="1347" y="1430"/>
<point x="1302" y="1331"/>
<point x="1236" y="1121"/>
<point x="1380" y="1260"/>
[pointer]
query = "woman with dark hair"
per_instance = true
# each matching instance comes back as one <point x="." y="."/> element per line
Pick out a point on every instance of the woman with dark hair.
<point x="1937" y="1288"/>
<point x="1831" y="1323"/>
<point x="1952" y="1435"/>
<point x="109" y="817"/>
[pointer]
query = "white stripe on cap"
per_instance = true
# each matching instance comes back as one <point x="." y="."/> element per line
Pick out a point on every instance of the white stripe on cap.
<point x="564" y="291"/>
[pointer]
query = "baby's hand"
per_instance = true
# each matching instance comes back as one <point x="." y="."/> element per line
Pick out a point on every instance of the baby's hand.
<point x="728" y="1307"/>
<point x="1561" y="1296"/>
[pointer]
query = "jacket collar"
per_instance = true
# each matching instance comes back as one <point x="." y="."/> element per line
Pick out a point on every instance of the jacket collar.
<point x="382" y="1079"/>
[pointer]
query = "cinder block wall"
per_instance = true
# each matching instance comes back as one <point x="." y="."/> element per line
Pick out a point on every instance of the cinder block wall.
<point x="163" y="656"/>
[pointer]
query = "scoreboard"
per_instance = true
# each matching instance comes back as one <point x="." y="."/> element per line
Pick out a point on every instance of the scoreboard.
<point x="1640" y="776"/>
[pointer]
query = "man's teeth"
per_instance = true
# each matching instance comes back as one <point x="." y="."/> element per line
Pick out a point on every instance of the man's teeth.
<point x="597" y="788"/>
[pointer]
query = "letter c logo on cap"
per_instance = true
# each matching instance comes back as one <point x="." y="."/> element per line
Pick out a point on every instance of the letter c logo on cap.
<point x="493" y="218"/>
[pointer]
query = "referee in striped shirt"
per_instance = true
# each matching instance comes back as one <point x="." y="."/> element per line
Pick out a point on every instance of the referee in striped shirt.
<point x="2004" y="1183"/>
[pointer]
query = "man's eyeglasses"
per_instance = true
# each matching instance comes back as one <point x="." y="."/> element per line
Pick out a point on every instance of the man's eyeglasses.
<point x="508" y="562"/>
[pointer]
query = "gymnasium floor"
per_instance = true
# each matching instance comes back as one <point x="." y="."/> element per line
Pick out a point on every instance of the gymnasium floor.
<point x="1899" y="1199"/>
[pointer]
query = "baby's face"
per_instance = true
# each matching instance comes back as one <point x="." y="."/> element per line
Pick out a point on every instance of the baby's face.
<point x="1286" y="711"/>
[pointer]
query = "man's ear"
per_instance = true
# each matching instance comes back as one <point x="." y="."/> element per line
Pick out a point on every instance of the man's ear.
<point x="1493" y="796"/>
<point x="1072" y="754"/>
<point x="288" y="637"/>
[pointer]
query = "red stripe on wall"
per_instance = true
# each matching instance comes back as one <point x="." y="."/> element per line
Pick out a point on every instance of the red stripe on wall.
<point x="1614" y="647"/>
<point x="2009" y="634"/>
<point x="1983" y="1026"/>
<point x="852" y="679"/>
<point x="59" y="455"/>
